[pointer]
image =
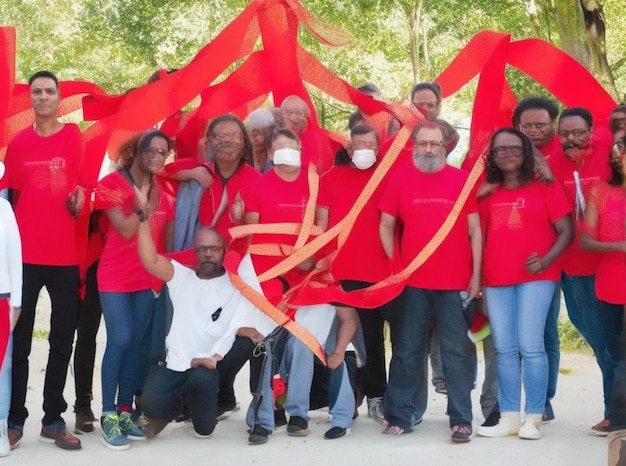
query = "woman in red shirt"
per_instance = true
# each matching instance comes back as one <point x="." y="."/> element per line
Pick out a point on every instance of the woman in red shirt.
<point x="526" y="228"/>
<point x="127" y="197"/>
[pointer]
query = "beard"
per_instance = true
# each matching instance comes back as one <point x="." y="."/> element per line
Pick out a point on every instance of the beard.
<point x="429" y="162"/>
<point x="208" y="268"/>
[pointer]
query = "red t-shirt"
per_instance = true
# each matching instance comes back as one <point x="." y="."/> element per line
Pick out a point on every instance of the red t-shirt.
<point x="593" y="169"/>
<point x="362" y="257"/>
<point x="239" y="182"/>
<point x="423" y="201"/>
<point x="516" y="223"/>
<point x="120" y="268"/>
<point x="611" y="273"/>
<point x="45" y="172"/>
<point x="276" y="201"/>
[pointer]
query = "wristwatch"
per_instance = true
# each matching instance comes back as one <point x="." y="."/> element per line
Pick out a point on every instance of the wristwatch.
<point x="142" y="215"/>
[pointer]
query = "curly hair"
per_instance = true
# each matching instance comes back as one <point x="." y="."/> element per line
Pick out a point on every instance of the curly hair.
<point x="247" y="143"/>
<point x="495" y="175"/>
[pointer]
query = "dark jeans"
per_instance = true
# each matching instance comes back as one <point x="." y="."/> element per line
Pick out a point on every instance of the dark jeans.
<point x="166" y="391"/>
<point x="371" y="379"/>
<point x="228" y="369"/>
<point x="89" y="314"/>
<point x="62" y="284"/>
<point x="409" y="322"/>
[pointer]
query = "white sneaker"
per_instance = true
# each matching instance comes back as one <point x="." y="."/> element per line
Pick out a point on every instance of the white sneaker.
<point x="530" y="430"/>
<point x="5" y="446"/>
<point x="509" y="424"/>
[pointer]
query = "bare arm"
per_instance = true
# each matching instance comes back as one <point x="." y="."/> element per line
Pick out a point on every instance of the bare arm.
<point x="321" y="217"/>
<point x="386" y="230"/>
<point x="154" y="263"/>
<point x="125" y="226"/>
<point x="565" y="235"/>
<point x="348" y="322"/>
<point x="476" y="245"/>
<point x="589" y="243"/>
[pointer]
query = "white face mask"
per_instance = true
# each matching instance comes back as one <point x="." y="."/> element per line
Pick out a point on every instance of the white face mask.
<point x="1" y="170"/>
<point x="287" y="156"/>
<point x="363" y="158"/>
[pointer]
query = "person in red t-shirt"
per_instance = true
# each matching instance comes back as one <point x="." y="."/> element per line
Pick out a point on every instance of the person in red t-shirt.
<point x="583" y="164"/>
<point x="526" y="228"/>
<point x="129" y="197"/>
<point x="362" y="260"/>
<point x="422" y="197"/>
<point x="281" y="196"/>
<point x="605" y="232"/>
<point x="536" y="116"/>
<point x="42" y="164"/>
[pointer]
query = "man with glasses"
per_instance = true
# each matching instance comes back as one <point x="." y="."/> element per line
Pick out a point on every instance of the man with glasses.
<point x="583" y="164"/>
<point x="421" y="197"/>
<point x="208" y="312"/>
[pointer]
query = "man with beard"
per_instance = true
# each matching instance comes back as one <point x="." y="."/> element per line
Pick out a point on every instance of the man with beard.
<point x="422" y="197"/>
<point x="208" y="312"/>
<point x="583" y="164"/>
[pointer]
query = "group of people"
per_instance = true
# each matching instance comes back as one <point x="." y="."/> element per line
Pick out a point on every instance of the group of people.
<point x="183" y="255"/>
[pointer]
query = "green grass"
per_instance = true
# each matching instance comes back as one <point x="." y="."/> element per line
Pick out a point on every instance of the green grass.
<point x="39" y="334"/>
<point x="571" y="340"/>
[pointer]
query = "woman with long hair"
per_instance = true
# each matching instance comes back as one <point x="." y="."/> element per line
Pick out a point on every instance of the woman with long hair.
<point x="128" y="197"/>
<point x="526" y="228"/>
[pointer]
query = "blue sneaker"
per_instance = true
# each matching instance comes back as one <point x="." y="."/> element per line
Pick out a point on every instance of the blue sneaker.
<point x="112" y="436"/>
<point x="129" y="429"/>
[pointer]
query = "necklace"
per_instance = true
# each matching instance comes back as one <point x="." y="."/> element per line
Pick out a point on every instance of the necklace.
<point x="132" y="181"/>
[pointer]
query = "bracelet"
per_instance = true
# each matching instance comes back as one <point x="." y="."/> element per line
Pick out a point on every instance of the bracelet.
<point x="142" y="215"/>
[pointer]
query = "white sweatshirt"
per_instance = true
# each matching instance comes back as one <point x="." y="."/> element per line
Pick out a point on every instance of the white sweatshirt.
<point x="10" y="255"/>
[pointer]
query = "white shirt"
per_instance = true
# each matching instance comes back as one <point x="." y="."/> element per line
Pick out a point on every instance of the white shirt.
<point x="10" y="255"/>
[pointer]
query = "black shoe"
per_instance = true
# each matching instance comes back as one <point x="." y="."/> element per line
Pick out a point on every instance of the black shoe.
<point x="335" y="432"/>
<point x="258" y="435"/>
<point x="153" y="427"/>
<point x="297" y="427"/>
<point x="492" y="419"/>
<point x="280" y="419"/>
<point x="224" y="411"/>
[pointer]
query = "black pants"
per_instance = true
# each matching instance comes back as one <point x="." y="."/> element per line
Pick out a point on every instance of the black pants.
<point x="228" y="369"/>
<point x="89" y="315"/>
<point x="618" y="400"/>
<point x="62" y="284"/>
<point x="166" y="391"/>
<point x="371" y="379"/>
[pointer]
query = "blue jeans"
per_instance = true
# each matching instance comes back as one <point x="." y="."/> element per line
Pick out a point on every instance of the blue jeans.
<point x="409" y="322"/>
<point x="517" y="314"/>
<point x="126" y="316"/>
<point x="597" y="322"/>
<point x="5" y="380"/>
<point x="552" y="343"/>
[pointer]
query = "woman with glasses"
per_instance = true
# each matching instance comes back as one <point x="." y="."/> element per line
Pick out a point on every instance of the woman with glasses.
<point x="526" y="228"/>
<point x="128" y="197"/>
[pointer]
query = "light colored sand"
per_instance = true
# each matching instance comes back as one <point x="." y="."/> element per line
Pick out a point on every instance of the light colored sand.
<point x="565" y="441"/>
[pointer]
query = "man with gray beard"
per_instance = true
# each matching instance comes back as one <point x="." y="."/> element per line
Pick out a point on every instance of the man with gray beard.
<point x="421" y="197"/>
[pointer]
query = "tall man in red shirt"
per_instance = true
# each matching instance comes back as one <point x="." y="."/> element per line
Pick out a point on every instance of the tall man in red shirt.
<point x="536" y="118"/>
<point x="585" y="154"/>
<point x="42" y="169"/>
<point x="422" y="197"/>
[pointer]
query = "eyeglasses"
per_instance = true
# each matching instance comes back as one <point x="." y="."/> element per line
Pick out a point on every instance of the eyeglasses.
<point x="539" y="126"/>
<point x="424" y="145"/>
<point x="153" y="152"/>
<point x="575" y="132"/>
<point x="502" y="151"/>
<point x="619" y="148"/>
<point x="618" y="120"/>
<point x="205" y="249"/>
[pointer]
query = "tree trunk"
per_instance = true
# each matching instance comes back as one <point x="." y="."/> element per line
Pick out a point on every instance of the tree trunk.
<point x="594" y="24"/>
<point x="413" y="11"/>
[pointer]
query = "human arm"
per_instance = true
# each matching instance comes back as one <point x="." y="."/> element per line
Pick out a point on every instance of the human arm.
<point x="200" y="173"/>
<point x="251" y="333"/>
<point x="208" y="362"/>
<point x="237" y="210"/>
<point x="476" y="246"/>
<point x="154" y="263"/>
<point x="386" y="231"/>
<point x="542" y="168"/>
<point x="587" y="240"/>
<point x="76" y="201"/>
<point x="565" y="235"/>
<point x="348" y="323"/>
<point x="321" y="217"/>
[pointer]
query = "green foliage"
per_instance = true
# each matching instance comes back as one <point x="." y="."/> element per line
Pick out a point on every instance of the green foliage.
<point x="571" y="340"/>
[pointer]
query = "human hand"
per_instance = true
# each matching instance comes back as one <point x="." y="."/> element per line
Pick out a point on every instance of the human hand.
<point x="209" y="363"/>
<point x="534" y="264"/>
<point x="334" y="360"/>
<point x="14" y="315"/>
